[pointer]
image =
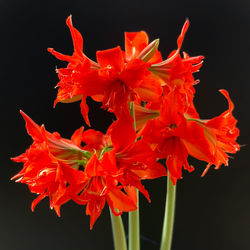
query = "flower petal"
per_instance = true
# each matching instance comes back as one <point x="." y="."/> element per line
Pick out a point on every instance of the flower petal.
<point x="77" y="136"/>
<point x="32" y="128"/>
<point x="122" y="133"/>
<point x="111" y="58"/>
<point x="135" y="42"/>
<point x="76" y="37"/>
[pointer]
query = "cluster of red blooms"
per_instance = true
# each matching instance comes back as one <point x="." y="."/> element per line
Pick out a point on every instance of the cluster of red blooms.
<point x="152" y="100"/>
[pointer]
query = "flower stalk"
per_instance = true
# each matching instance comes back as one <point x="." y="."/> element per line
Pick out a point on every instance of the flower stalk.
<point x="134" y="216"/>
<point x="168" y="224"/>
<point x="118" y="232"/>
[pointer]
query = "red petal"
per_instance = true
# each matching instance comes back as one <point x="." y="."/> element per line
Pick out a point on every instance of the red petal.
<point x="197" y="145"/>
<point x="94" y="209"/>
<point x="175" y="53"/>
<point x="135" y="42"/>
<point x="182" y="35"/>
<point x="93" y="138"/>
<point x="32" y="128"/>
<point x="176" y="158"/>
<point x="108" y="162"/>
<point x="63" y="57"/>
<point x="226" y="117"/>
<point x="149" y="90"/>
<point x="133" y="73"/>
<point x="119" y="200"/>
<point x="77" y="136"/>
<point x="92" y="165"/>
<point x="123" y="133"/>
<point x="153" y="171"/>
<point x="132" y="193"/>
<point x="73" y="176"/>
<point x="76" y="36"/>
<point x="137" y="152"/>
<point x="174" y="105"/>
<point x="37" y="200"/>
<point x="85" y="110"/>
<point x="111" y="58"/>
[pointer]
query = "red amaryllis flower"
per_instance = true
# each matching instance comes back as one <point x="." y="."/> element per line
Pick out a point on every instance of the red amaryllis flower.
<point x="173" y="105"/>
<point x="177" y="71"/>
<point x="116" y="169"/>
<point x="123" y="81"/>
<point x="50" y="164"/>
<point x="100" y="186"/>
<point x="134" y="158"/>
<point x="120" y="81"/>
<point x="174" y="137"/>
<point x="221" y="133"/>
<point x="115" y="80"/>
<point x="69" y="90"/>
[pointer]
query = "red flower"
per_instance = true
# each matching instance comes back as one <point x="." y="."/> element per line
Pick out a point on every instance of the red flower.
<point x="120" y="81"/>
<point x="111" y="172"/>
<point x="135" y="158"/>
<point x="177" y="72"/>
<point x="114" y="172"/>
<point x="101" y="185"/>
<point x="221" y="133"/>
<point x="117" y="78"/>
<point x="79" y="63"/>
<point x="174" y="136"/>
<point x="50" y="164"/>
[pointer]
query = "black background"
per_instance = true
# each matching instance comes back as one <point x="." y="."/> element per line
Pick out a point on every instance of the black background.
<point x="212" y="212"/>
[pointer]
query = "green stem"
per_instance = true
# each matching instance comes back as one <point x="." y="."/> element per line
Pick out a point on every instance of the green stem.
<point x="132" y="113"/>
<point x="167" y="230"/>
<point x="118" y="232"/>
<point x="134" y="228"/>
<point x="134" y="217"/>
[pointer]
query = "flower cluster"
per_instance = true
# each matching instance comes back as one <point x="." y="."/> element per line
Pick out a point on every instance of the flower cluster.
<point x="152" y="100"/>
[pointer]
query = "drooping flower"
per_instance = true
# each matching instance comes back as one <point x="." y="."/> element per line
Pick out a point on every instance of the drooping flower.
<point x="51" y="164"/>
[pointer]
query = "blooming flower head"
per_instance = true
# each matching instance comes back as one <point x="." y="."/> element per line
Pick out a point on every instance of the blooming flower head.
<point x="50" y="164"/>
<point x="116" y="172"/>
<point x="156" y="119"/>
<point x="109" y="168"/>
<point x="174" y="136"/>
<point x="117" y="78"/>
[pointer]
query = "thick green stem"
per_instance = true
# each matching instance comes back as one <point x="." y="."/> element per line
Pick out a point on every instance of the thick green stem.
<point x="134" y="228"/>
<point x="118" y="232"/>
<point x="168" y="225"/>
<point x="134" y="217"/>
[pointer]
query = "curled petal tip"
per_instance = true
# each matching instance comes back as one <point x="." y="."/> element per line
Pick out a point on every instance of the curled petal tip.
<point x="69" y="20"/>
<point x="185" y="27"/>
<point x="183" y="32"/>
<point x="51" y="50"/>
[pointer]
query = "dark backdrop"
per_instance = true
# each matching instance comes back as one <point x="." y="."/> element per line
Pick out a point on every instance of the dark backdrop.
<point x="212" y="212"/>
